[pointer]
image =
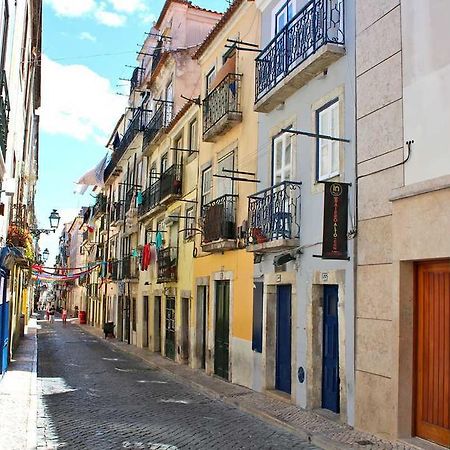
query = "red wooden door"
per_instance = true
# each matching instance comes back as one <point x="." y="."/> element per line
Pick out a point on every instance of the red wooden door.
<point x="432" y="413"/>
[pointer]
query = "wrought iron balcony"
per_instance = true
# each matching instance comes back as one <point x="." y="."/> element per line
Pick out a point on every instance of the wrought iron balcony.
<point x="170" y="182"/>
<point x="129" y="196"/>
<point x="167" y="264"/>
<point x="136" y="125"/>
<point x="100" y="205"/>
<point x="129" y="267"/>
<point x="221" y="108"/>
<point x="159" y="121"/>
<point x="117" y="212"/>
<point x="307" y="45"/>
<point x="219" y="222"/>
<point x="4" y="113"/>
<point x="150" y="198"/>
<point x="136" y="78"/>
<point x="274" y="217"/>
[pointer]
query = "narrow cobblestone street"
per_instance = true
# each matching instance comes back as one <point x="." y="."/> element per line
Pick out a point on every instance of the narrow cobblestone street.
<point x="95" y="397"/>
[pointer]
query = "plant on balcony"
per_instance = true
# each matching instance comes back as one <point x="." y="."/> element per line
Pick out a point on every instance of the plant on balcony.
<point x="18" y="237"/>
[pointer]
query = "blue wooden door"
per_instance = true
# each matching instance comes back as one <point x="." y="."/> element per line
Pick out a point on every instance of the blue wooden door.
<point x="330" y="362"/>
<point x="283" y="347"/>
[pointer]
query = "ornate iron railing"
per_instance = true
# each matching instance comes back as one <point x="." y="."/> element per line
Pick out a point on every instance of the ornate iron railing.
<point x="318" y="23"/>
<point x="136" y="125"/>
<point x="274" y="213"/>
<point x="129" y="267"/>
<point x="219" y="218"/>
<point x="167" y="264"/>
<point x="171" y="182"/>
<point x="136" y="78"/>
<point x="223" y="99"/>
<point x="4" y="113"/>
<point x="150" y="198"/>
<point x="159" y="121"/>
<point x="100" y="205"/>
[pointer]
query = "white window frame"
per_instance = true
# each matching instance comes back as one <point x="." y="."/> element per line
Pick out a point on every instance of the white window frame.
<point x="207" y="195"/>
<point x="276" y="11"/>
<point x="331" y="128"/>
<point x="209" y="78"/>
<point x="285" y="139"/>
<point x="193" y="137"/>
<point x="189" y="231"/>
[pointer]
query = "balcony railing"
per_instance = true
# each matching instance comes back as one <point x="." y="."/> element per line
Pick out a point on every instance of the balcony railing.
<point x="136" y="78"/>
<point x="222" y="102"/>
<point x="136" y="125"/>
<point x="167" y="264"/>
<point x="318" y="23"/>
<point x="117" y="212"/>
<point x="4" y="113"/>
<point x="150" y="198"/>
<point x="274" y="213"/>
<point x="100" y="205"/>
<point x="159" y="121"/>
<point x="170" y="181"/>
<point x="129" y="267"/>
<point x="219" y="219"/>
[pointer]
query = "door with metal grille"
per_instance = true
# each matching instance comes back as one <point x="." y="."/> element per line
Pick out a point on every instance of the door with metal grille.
<point x="170" y="327"/>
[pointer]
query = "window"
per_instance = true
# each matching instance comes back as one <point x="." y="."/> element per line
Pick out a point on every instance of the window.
<point x="282" y="14"/>
<point x="258" y="290"/>
<point x="164" y="163"/>
<point x="178" y="144"/>
<point x="327" y="122"/>
<point x="193" y="137"/>
<point x="4" y="19"/>
<point x="206" y="186"/>
<point x="190" y="223"/>
<point x="225" y="185"/>
<point x="282" y="158"/>
<point x="209" y="79"/>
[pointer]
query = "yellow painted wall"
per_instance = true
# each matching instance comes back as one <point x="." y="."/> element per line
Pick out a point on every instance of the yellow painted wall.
<point x="240" y="262"/>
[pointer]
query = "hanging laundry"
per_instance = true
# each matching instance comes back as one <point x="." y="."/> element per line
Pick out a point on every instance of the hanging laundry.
<point x="158" y="240"/>
<point x="145" y="257"/>
<point x="134" y="253"/>
<point x="140" y="198"/>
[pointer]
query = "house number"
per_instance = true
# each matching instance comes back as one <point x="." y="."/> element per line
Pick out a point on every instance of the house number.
<point x="324" y="277"/>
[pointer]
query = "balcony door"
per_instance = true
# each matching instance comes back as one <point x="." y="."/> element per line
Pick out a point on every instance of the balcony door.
<point x="225" y="186"/>
<point x="169" y="102"/>
<point x="281" y="158"/>
<point x="222" y="329"/>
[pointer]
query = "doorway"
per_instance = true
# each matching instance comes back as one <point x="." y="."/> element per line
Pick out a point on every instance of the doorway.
<point x="222" y="329"/>
<point x="126" y="321"/>
<point x="170" y="328"/>
<point x="157" y="325"/>
<point x="145" y="322"/>
<point x="120" y="303"/>
<point x="283" y="368"/>
<point x="202" y="324"/>
<point x="330" y="350"/>
<point x="432" y="352"/>
<point x="185" y="344"/>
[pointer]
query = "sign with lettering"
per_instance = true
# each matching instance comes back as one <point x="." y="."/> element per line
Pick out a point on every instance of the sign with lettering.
<point x="335" y="221"/>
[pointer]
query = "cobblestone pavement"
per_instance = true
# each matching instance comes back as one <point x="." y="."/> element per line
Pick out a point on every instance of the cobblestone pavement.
<point x="92" y="396"/>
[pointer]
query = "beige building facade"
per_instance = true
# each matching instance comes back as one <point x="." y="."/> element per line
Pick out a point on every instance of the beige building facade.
<point x="403" y="274"/>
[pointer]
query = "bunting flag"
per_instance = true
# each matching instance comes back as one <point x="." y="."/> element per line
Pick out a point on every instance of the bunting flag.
<point x="39" y="273"/>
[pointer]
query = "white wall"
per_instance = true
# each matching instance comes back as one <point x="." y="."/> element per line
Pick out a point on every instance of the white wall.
<point x="426" y="88"/>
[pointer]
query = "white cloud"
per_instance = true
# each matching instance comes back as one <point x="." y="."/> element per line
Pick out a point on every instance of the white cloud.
<point x="78" y="102"/>
<point x="111" y="19"/>
<point x="86" y="36"/>
<point x="72" y="8"/>
<point x="128" y="6"/>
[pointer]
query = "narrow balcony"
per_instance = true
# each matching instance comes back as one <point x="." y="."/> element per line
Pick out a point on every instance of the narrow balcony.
<point x="100" y="205"/>
<point x="150" y="199"/>
<point x="274" y="218"/>
<point x="4" y="113"/>
<point x="129" y="268"/>
<point x="221" y="108"/>
<point x="167" y="265"/>
<point x="171" y="183"/>
<point x="219" y="224"/>
<point x="311" y="41"/>
<point x="158" y="123"/>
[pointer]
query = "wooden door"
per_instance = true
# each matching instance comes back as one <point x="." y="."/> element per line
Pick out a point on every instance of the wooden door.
<point x="222" y="329"/>
<point x="432" y="412"/>
<point x="283" y="367"/>
<point x="330" y="349"/>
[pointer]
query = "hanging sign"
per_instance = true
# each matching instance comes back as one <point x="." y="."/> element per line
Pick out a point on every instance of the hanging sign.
<point x="335" y="221"/>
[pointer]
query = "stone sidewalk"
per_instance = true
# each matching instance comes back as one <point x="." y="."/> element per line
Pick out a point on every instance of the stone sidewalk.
<point x="317" y="428"/>
<point x="18" y="395"/>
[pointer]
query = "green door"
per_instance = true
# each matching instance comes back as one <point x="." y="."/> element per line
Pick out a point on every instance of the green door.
<point x="222" y="329"/>
<point x="170" y="327"/>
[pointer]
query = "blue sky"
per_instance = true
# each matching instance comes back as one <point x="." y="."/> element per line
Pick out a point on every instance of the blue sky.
<point x="87" y="45"/>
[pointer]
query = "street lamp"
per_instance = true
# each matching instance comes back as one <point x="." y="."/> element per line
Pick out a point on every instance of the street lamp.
<point x="54" y="223"/>
<point x="45" y="255"/>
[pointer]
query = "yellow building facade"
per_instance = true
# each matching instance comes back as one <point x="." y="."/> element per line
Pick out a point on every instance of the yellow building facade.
<point x="223" y="282"/>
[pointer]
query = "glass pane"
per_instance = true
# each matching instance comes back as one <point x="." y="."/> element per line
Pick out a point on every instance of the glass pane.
<point x="287" y="153"/>
<point x="335" y="157"/>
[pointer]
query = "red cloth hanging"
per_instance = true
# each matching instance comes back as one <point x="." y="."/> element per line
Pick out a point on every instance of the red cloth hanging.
<point x="145" y="257"/>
